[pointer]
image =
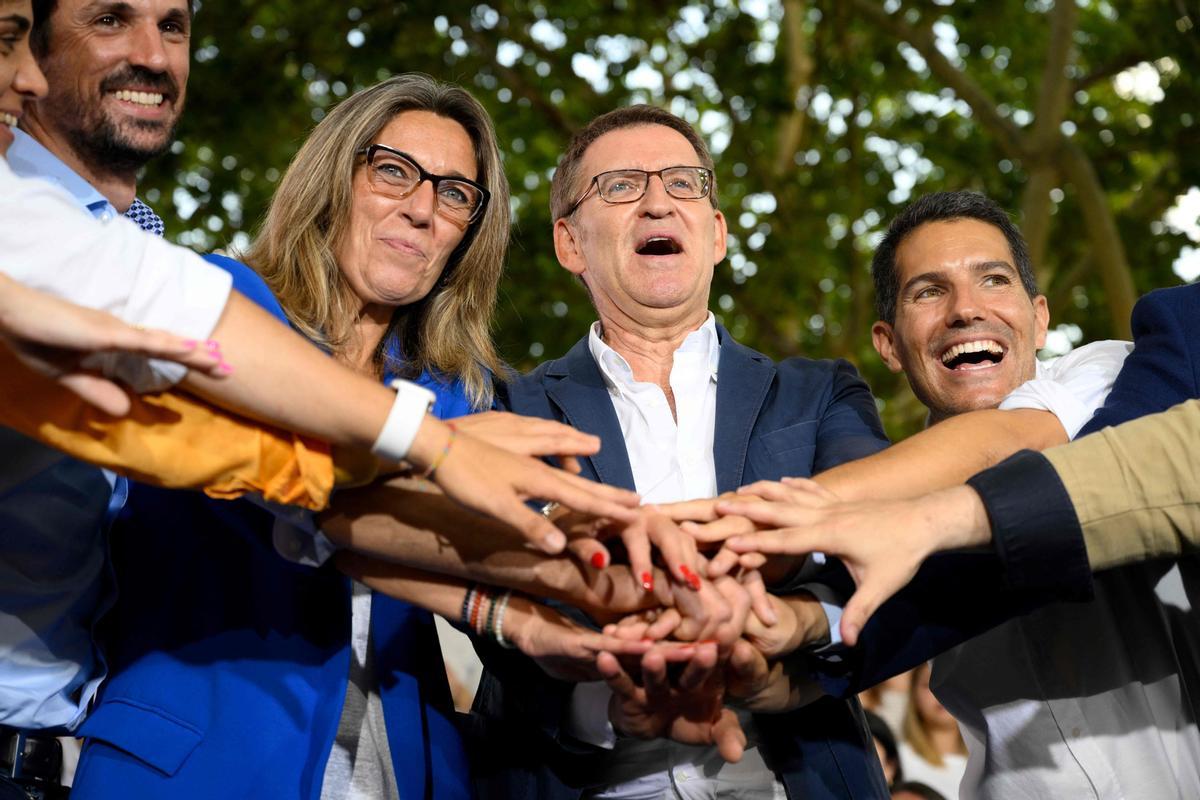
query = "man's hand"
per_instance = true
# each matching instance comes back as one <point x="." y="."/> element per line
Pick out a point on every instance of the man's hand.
<point x="801" y="622"/>
<point x="756" y="684"/>
<point x="690" y="710"/>
<point x="881" y="544"/>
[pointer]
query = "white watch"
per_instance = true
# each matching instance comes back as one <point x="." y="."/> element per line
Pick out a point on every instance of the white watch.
<point x="412" y="403"/>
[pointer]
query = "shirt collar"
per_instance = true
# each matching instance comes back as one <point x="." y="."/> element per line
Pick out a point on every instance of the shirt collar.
<point x="616" y="370"/>
<point x="30" y="159"/>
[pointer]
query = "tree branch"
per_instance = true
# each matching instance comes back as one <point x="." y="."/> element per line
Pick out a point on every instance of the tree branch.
<point x="1107" y="247"/>
<point x="1011" y="138"/>
<point x="800" y="67"/>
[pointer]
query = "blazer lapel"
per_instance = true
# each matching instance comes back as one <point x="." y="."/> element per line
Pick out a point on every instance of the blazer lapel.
<point x="575" y="385"/>
<point x="743" y="378"/>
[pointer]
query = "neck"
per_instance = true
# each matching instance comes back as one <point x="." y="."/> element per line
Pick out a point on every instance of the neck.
<point x="369" y="329"/>
<point x="649" y="351"/>
<point x="118" y="187"/>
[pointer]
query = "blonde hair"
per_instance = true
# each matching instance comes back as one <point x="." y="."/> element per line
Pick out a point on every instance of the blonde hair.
<point x="915" y="732"/>
<point x="447" y="332"/>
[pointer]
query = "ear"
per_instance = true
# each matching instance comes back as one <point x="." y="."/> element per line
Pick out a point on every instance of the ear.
<point x="567" y="248"/>
<point x="721" y="238"/>
<point x="884" y="339"/>
<point x="1041" y="315"/>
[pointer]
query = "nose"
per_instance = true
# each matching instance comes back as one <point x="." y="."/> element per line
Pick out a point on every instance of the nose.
<point x="29" y="80"/>
<point x="421" y="205"/>
<point x="965" y="308"/>
<point x="147" y="48"/>
<point x="656" y="202"/>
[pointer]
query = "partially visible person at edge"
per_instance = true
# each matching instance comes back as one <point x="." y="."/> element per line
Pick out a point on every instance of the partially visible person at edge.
<point x="931" y="747"/>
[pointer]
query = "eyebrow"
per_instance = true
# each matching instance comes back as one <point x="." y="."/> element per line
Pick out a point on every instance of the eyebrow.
<point x="23" y="24"/>
<point x="936" y="275"/>
<point x="122" y="7"/>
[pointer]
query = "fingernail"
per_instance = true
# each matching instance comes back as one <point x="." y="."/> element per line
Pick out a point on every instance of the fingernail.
<point x="707" y="641"/>
<point x="598" y="560"/>
<point x="224" y="369"/>
<point x="213" y="344"/>
<point x="647" y="581"/>
<point x="190" y="343"/>
<point x="693" y="580"/>
<point x="554" y="542"/>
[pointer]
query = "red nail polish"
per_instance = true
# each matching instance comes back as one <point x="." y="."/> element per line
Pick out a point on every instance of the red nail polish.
<point x="224" y="369"/>
<point x="598" y="560"/>
<point x="693" y="580"/>
<point x="647" y="581"/>
<point x="213" y="344"/>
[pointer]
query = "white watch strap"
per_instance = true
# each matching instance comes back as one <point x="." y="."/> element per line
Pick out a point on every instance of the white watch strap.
<point x="404" y="420"/>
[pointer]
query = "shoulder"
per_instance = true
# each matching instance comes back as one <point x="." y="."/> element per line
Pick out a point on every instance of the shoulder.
<point x="248" y="283"/>
<point x="1176" y="308"/>
<point x="1105" y="356"/>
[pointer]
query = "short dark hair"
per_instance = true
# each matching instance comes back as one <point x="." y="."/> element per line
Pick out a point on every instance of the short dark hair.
<point x="39" y="36"/>
<point x="564" y="186"/>
<point x="942" y="207"/>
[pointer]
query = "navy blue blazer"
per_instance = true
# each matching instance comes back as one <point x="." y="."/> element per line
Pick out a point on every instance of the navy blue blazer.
<point x="794" y="418"/>
<point x="1164" y="368"/>
<point x="922" y="620"/>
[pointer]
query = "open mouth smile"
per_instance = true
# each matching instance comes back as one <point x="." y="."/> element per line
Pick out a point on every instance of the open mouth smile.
<point x="8" y="119"/>
<point x="979" y="354"/>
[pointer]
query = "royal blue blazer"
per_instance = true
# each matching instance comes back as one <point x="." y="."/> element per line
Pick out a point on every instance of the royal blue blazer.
<point x="791" y="418"/>
<point x="228" y="664"/>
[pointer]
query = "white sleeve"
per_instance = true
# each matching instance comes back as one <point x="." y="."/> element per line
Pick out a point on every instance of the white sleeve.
<point x="1074" y="386"/>
<point x="587" y="715"/>
<point x="49" y="244"/>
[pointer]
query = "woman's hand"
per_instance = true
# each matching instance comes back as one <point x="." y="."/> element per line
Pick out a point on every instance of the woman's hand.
<point x="563" y="648"/>
<point x="531" y="436"/>
<point x="53" y="337"/>
<point x="498" y="483"/>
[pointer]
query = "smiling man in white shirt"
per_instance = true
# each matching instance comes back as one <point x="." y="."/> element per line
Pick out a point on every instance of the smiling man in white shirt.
<point x="1073" y="700"/>
<point x="683" y="412"/>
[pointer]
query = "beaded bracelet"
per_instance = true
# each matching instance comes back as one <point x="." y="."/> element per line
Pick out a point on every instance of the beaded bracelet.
<point x="498" y="628"/>
<point x="437" y="461"/>
<point x="464" y="615"/>
<point x="476" y="616"/>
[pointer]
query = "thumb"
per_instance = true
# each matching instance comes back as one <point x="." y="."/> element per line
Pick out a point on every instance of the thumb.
<point x="100" y="392"/>
<point x="862" y="605"/>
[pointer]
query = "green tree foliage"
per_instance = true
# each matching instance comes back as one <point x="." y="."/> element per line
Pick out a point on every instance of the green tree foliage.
<point x="826" y="116"/>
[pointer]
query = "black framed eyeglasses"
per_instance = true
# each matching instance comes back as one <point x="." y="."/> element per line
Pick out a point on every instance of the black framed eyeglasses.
<point x="629" y="185"/>
<point x="397" y="175"/>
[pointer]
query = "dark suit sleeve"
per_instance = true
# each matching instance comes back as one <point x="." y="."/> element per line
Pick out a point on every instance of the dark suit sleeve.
<point x="850" y="426"/>
<point x="1162" y="370"/>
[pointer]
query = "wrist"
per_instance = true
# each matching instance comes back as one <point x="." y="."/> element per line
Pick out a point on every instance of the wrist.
<point x="965" y="526"/>
<point x="406" y="431"/>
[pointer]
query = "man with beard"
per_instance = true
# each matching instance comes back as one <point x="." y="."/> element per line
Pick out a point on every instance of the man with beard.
<point x="117" y="71"/>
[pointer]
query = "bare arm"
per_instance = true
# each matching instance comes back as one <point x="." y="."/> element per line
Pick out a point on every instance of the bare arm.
<point x="407" y="522"/>
<point x="944" y="455"/>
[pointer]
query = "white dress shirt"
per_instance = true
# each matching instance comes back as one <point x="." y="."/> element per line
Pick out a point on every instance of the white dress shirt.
<point x="671" y="458"/>
<point x="48" y="242"/>
<point x="1082" y="700"/>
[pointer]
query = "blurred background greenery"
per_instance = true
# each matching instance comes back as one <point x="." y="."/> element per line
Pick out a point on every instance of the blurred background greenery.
<point x="825" y="117"/>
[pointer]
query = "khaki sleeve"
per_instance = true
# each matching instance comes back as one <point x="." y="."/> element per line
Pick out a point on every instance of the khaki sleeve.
<point x="1136" y="487"/>
<point x="174" y="440"/>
